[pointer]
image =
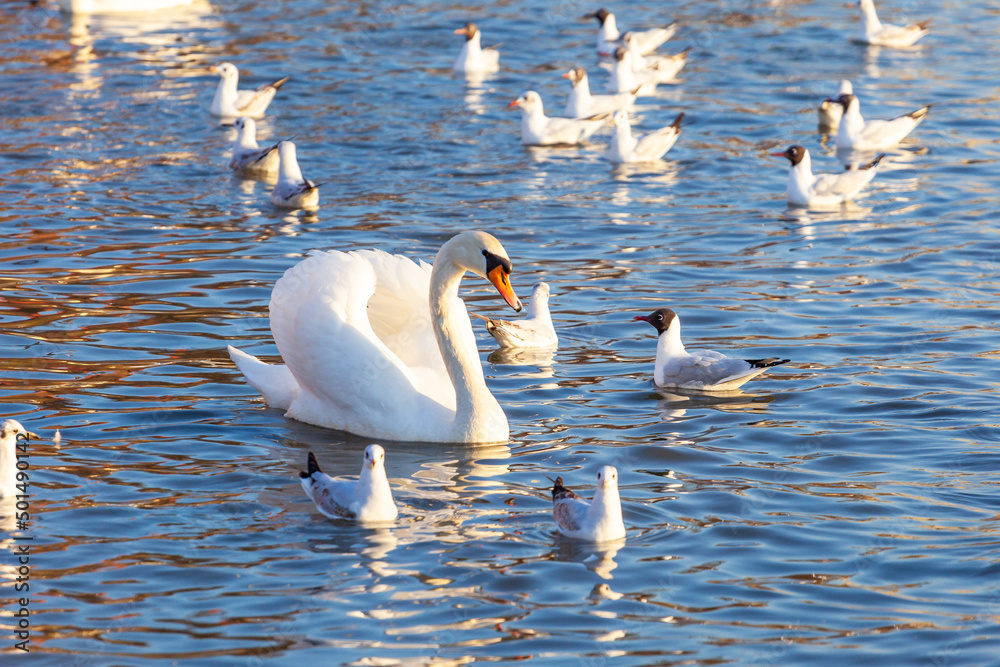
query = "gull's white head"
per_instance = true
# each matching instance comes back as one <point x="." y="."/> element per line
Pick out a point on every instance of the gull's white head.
<point x="11" y="431"/>
<point x="540" y="291"/>
<point x="845" y="88"/>
<point x="607" y="477"/>
<point x="619" y="118"/>
<point x="374" y="457"/>
<point x="480" y="253"/>
<point x="529" y="102"/>
<point x="228" y="72"/>
<point x="246" y="126"/>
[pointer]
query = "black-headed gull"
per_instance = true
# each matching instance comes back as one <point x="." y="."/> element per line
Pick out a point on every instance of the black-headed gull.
<point x="292" y="189"/>
<point x="831" y="111"/>
<point x="534" y="331"/>
<point x="582" y="104"/>
<point x="624" y="78"/>
<point x="877" y="33"/>
<point x="705" y="370"/>
<point x="857" y="134"/>
<point x="823" y="190"/>
<point x="668" y="66"/>
<point x="608" y="37"/>
<point x="247" y="156"/>
<point x="369" y="499"/>
<point x="599" y="520"/>
<point x="473" y="58"/>
<point x="230" y="102"/>
<point x="537" y="129"/>
<point x="11" y="435"/>
<point x="647" y="147"/>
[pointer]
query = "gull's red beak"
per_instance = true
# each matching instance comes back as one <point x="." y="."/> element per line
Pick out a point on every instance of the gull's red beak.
<point x="643" y="318"/>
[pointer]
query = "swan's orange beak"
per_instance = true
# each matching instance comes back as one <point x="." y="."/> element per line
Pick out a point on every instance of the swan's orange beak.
<point x="501" y="280"/>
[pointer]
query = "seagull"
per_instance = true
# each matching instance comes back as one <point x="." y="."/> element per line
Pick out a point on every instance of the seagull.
<point x="247" y="156"/>
<point x="12" y="434"/>
<point x="608" y="35"/>
<point x="856" y="134"/>
<point x="367" y="500"/>
<point x="534" y="331"/>
<point x="537" y="129"/>
<point x="644" y="148"/>
<point x="669" y="66"/>
<point x="292" y="190"/>
<point x="581" y="104"/>
<point x="474" y="59"/>
<point x="624" y="78"/>
<point x="230" y="102"/>
<point x="877" y="33"/>
<point x="830" y="111"/>
<point x="600" y="520"/>
<point x="706" y="370"/>
<point x="823" y="190"/>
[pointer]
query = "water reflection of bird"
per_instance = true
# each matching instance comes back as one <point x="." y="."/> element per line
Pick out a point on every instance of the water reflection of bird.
<point x="381" y="346"/>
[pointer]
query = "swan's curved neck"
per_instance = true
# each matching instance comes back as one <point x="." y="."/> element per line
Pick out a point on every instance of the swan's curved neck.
<point x="453" y="332"/>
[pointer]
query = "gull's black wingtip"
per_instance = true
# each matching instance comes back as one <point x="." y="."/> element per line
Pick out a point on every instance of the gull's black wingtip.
<point x="312" y="466"/>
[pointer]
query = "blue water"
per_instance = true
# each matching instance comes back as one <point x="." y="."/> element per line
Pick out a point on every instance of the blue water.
<point x="843" y="508"/>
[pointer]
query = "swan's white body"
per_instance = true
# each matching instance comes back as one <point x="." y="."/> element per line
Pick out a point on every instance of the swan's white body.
<point x="230" y="102"/>
<point x="599" y="520"/>
<point x="705" y="370"/>
<point x="534" y="331"/>
<point x="582" y="104"/>
<point x="120" y="6"/>
<point x="381" y="346"/>
<point x="877" y="33"/>
<point x="856" y="134"/>
<point x="823" y="190"/>
<point x="537" y="129"/>
<point x="367" y="500"/>
<point x="11" y="432"/>
<point x="608" y="36"/>
<point x="649" y="147"/>
<point x="292" y="189"/>
<point x="473" y="58"/>
<point x="624" y="77"/>
<point x="247" y="156"/>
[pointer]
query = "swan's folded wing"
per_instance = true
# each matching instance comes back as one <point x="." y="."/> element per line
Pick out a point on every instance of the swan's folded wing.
<point x="320" y="325"/>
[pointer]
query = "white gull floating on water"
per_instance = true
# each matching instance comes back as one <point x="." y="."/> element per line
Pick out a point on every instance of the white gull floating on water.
<point x="857" y="134"/>
<point x="534" y="331"/>
<point x="230" y="102"/>
<point x="599" y="520"/>
<point x="369" y="499"/>
<point x="292" y="190"/>
<point x="582" y="104"/>
<point x="537" y="129"/>
<point x="473" y="59"/>
<point x="875" y="32"/>
<point x="11" y="433"/>
<point x="823" y="190"/>
<point x="649" y="147"/>
<point x="624" y="77"/>
<point x="831" y="111"/>
<point x="249" y="158"/>
<point x="705" y="370"/>
<point x="608" y="37"/>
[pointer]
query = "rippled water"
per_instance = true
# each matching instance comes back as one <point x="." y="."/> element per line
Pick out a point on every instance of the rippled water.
<point x="844" y="508"/>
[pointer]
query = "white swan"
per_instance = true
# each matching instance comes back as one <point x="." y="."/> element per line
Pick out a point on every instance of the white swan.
<point x="381" y="346"/>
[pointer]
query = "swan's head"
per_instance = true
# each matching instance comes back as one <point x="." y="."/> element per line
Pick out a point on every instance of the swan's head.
<point x="607" y="477"/>
<point x="576" y="75"/>
<point x="469" y="30"/>
<point x="661" y="319"/>
<point x="227" y="71"/>
<point x="794" y="154"/>
<point x="529" y="101"/>
<point x="374" y="457"/>
<point x="11" y="431"/>
<point x="480" y="253"/>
